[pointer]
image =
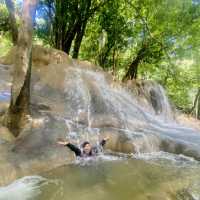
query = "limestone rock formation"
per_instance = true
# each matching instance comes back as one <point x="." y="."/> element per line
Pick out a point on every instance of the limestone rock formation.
<point x="75" y="99"/>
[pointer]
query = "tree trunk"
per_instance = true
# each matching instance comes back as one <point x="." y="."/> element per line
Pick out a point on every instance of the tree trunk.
<point x="65" y="25"/>
<point x="71" y="27"/>
<point x="83" y="19"/>
<point x="103" y="56"/>
<point x="57" y="25"/>
<point x="114" y="61"/>
<point x="79" y="36"/>
<point x="70" y="35"/>
<point x="196" y="106"/>
<point x="133" y="68"/>
<point x="12" y="21"/>
<point x="20" y="93"/>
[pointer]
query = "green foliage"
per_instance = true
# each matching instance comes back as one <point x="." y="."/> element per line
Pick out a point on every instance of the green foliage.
<point x="168" y="29"/>
<point x="3" y="17"/>
<point x="5" y="44"/>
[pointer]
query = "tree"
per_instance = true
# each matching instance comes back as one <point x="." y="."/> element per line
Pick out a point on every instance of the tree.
<point x="132" y="71"/>
<point x="12" y="20"/>
<point x="20" y="93"/>
<point x="113" y="33"/>
<point x="71" y="18"/>
<point x="85" y="14"/>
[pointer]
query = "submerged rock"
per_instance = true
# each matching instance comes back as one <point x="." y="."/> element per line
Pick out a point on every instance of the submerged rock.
<point x="70" y="96"/>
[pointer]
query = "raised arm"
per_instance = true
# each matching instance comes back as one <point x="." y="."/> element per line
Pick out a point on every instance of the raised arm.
<point x="72" y="147"/>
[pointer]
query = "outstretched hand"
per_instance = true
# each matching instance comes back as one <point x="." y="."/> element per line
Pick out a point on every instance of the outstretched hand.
<point x="62" y="142"/>
<point x="106" y="138"/>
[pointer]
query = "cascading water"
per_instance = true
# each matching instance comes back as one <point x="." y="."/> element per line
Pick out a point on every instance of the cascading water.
<point x="114" y="107"/>
<point x="83" y="103"/>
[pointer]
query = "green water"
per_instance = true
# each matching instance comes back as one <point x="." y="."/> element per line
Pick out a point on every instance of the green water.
<point x="126" y="179"/>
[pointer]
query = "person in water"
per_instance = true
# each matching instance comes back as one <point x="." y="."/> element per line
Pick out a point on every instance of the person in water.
<point x="87" y="149"/>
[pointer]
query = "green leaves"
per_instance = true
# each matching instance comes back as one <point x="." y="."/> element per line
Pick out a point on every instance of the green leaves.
<point x="4" y="25"/>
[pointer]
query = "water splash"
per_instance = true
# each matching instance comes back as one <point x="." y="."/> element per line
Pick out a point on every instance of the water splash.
<point x="26" y="188"/>
<point x="194" y="190"/>
<point x="168" y="159"/>
<point x="98" y="159"/>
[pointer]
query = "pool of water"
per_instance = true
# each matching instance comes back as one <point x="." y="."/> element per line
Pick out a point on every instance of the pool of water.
<point x="148" y="177"/>
<point x="4" y="96"/>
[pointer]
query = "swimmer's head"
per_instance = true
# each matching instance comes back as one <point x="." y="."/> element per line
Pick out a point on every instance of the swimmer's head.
<point x="87" y="147"/>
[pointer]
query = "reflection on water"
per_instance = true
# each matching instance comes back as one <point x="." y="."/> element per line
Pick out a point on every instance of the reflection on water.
<point x="118" y="178"/>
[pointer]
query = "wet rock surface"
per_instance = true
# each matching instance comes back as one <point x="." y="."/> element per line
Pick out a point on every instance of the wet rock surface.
<point x="77" y="100"/>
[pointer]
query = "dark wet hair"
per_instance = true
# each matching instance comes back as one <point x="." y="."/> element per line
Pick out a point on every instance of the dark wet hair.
<point x="85" y="143"/>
